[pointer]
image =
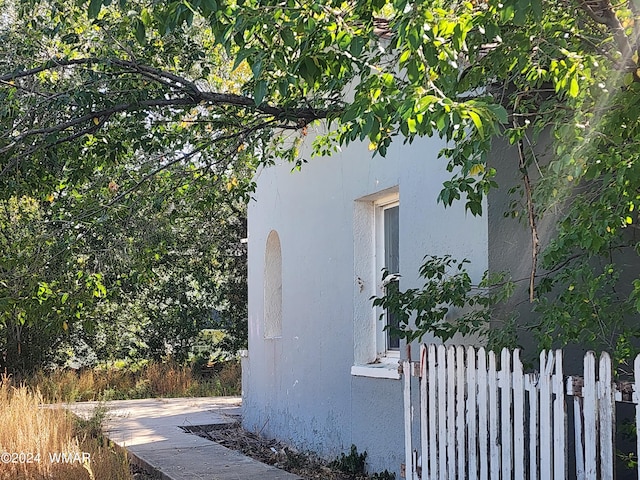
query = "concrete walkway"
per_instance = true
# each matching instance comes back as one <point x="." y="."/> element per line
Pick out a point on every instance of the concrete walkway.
<point x="150" y="431"/>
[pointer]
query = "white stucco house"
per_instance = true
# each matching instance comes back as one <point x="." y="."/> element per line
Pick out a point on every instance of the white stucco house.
<point x="320" y="372"/>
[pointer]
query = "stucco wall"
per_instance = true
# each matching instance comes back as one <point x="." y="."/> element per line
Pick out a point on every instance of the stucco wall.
<point x="299" y="387"/>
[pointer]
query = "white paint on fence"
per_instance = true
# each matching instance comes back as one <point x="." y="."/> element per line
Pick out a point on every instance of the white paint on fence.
<point x="545" y="418"/>
<point x="408" y="420"/>
<point x="559" y="420"/>
<point x="451" y="420"/>
<point x="433" y="415"/>
<point x="494" y="445"/>
<point x="506" y="414"/>
<point x="589" y="411"/>
<point x="480" y="420"/>
<point x="442" y="414"/>
<point x="531" y="384"/>
<point x="518" y="417"/>
<point x="606" y="415"/>
<point x="483" y="434"/>
<point x="472" y="415"/>
<point x="424" y="420"/>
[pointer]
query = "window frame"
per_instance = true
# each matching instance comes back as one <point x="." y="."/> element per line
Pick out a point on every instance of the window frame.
<point x="383" y="352"/>
<point x="368" y="361"/>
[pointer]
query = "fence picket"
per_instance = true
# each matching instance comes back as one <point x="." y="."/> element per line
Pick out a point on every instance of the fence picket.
<point x="408" y="447"/>
<point x="518" y="417"/>
<point x="483" y="434"/>
<point x="532" y="384"/>
<point x="559" y="420"/>
<point x="606" y="415"/>
<point x="433" y="412"/>
<point x="425" y="442"/>
<point x="494" y="446"/>
<point x="506" y="422"/>
<point x="460" y="407"/>
<point x="442" y="414"/>
<point x="546" y="436"/>
<point x="471" y="414"/>
<point x="451" y="411"/>
<point x="590" y="414"/>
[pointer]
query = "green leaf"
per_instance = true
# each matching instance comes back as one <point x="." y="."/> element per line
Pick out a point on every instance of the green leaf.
<point x="574" y="88"/>
<point x="411" y="124"/>
<point x="259" y="91"/>
<point x="536" y="8"/>
<point x="357" y="46"/>
<point x="499" y="112"/>
<point x="288" y="37"/>
<point x="140" y="32"/>
<point x="145" y="16"/>
<point x="506" y="13"/>
<point x="477" y="122"/>
<point x="256" y="67"/>
<point x="241" y="56"/>
<point x="94" y="8"/>
<point x="207" y="7"/>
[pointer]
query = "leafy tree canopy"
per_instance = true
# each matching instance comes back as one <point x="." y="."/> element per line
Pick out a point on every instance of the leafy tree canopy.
<point x="121" y="235"/>
<point x="106" y="82"/>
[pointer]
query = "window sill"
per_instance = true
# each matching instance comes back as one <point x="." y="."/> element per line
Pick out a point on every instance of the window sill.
<point x="377" y="370"/>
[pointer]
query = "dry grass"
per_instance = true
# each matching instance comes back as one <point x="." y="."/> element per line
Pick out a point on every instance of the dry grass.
<point x="30" y="435"/>
<point x="153" y="380"/>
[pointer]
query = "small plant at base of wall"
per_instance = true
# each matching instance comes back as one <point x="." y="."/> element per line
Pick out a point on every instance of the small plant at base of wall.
<point x="354" y="464"/>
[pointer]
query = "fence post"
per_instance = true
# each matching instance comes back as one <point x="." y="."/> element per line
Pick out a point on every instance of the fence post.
<point x="590" y="411"/>
<point x="410" y="467"/>
<point x="559" y="421"/>
<point x="547" y="361"/>
<point x="607" y="415"/>
<point x="471" y="414"/>
<point x="494" y="446"/>
<point x="518" y="416"/>
<point x="483" y="434"/>
<point x="433" y="413"/>
<point x="506" y="423"/>
<point x="460" y="408"/>
<point x="425" y="446"/>
<point x="451" y="410"/>
<point x="442" y="413"/>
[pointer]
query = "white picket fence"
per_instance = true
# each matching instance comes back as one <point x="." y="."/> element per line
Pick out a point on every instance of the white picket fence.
<point x="480" y="422"/>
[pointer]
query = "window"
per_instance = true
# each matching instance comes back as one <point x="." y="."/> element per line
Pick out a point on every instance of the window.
<point x="376" y="245"/>
<point x="387" y="258"/>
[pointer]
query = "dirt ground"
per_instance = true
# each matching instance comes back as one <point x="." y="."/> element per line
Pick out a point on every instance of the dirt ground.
<point x="271" y="452"/>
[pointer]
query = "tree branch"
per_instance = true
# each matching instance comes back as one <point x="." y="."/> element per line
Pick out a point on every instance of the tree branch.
<point x="531" y="214"/>
<point x="607" y="17"/>
<point x="186" y="156"/>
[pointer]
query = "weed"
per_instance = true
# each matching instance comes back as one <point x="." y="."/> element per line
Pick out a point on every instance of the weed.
<point x="40" y="432"/>
<point x="352" y="464"/>
<point x="151" y="380"/>
<point x="386" y="475"/>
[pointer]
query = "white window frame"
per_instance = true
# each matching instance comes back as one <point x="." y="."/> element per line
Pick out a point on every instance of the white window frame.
<point x="370" y="360"/>
<point x="382" y="336"/>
